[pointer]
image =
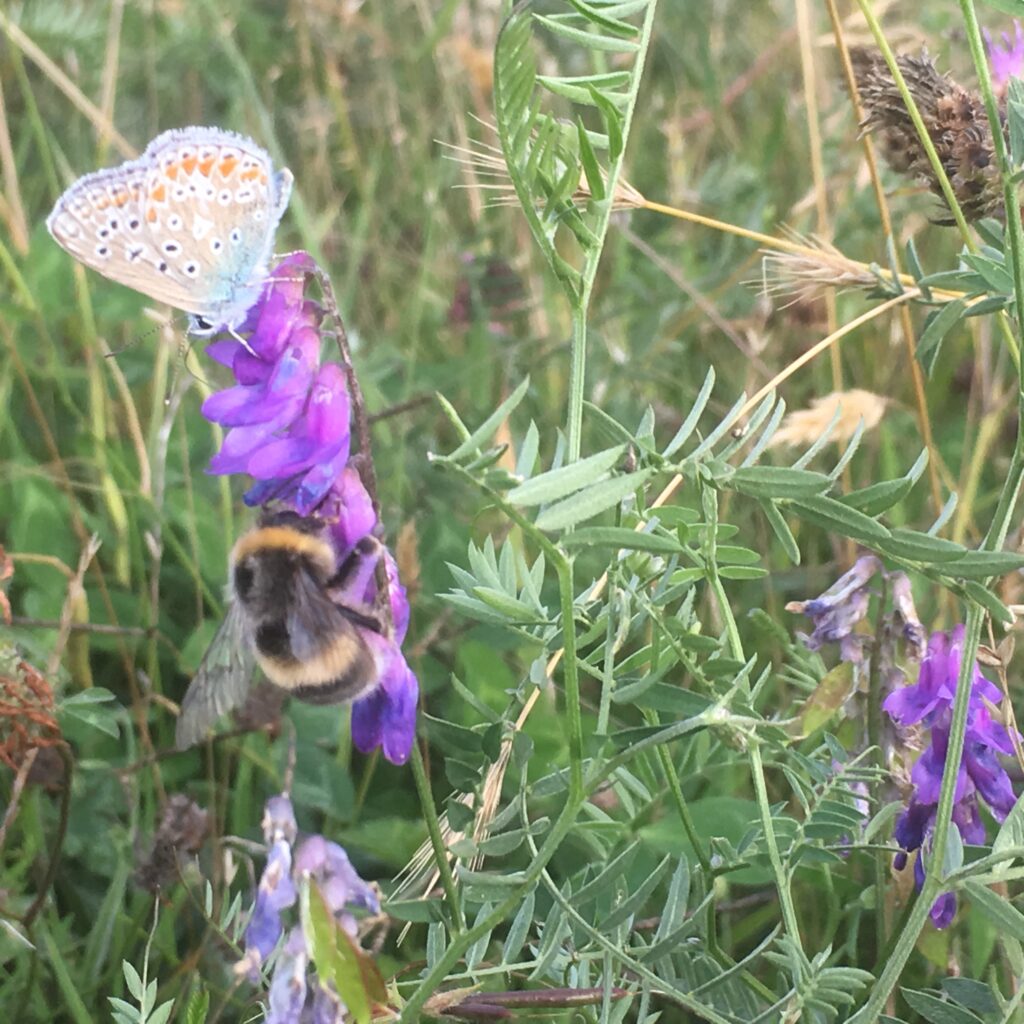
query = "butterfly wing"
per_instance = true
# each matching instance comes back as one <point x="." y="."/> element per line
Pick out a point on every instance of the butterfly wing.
<point x="190" y="223"/>
<point x="222" y="680"/>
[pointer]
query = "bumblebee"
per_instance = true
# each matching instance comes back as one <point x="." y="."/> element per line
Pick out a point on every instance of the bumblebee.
<point x="287" y="616"/>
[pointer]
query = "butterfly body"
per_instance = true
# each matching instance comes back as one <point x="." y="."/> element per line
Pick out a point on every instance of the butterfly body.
<point x="190" y="222"/>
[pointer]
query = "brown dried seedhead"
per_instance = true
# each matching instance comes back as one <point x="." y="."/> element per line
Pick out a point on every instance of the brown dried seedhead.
<point x="955" y="121"/>
<point x="27" y="714"/>
<point x="183" y="829"/>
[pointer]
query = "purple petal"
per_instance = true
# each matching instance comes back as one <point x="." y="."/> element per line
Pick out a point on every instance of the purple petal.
<point x="287" y="994"/>
<point x="991" y="779"/>
<point x="943" y="910"/>
<point x="279" y="819"/>
<point x="913" y="825"/>
<point x="968" y="821"/>
<point x="350" y="510"/>
<point x="399" y="599"/>
<point x="386" y="717"/>
<point x="327" y="1006"/>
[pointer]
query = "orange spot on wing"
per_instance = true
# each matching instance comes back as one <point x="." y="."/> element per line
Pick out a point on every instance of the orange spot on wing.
<point x="251" y="175"/>
<point x="158" y="194"/>
<point x="171" y="171"/>
<point x="206" y="166"/>
<point x="227" y="165"/>
<point x="189" y="164"/>
<point x="151" y="215"/>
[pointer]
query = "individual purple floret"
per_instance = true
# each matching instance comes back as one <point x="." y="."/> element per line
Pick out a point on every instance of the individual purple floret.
<point x="297" y="995"/>
<point x="929" y="702"/>
<point x="1007" y="60"/>
<point x="288" y="419"/>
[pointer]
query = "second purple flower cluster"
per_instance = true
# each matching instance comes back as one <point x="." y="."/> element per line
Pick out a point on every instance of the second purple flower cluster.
<point x="930" y="703"/>
<point x="837" y="614"/>
<point x="288" y="420"/>
<point x="297" y="994"/>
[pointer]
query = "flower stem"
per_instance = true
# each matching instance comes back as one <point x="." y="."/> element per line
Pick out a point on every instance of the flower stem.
<point x="444" y="869"/>
<point x="710" y="505"/>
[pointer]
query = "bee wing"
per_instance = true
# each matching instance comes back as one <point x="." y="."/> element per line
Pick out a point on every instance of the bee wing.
<point x="221" y="681"/>
<point x="314" y="621"/>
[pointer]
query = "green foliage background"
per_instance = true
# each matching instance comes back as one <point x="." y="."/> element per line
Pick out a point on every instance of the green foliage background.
<point x="442" y="292"/>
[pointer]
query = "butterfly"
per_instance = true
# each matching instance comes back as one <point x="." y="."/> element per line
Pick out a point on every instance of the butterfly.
<point x="191" y="222"/>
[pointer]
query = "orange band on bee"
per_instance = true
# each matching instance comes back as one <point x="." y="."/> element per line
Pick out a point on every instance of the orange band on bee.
<point x="344" y="658"/>
<point x="277" y="538"/>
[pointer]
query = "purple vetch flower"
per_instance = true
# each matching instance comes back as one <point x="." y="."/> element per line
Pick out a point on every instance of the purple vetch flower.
<point x="1007" y="60"/>
<point x="296" y="994"/>
<point x="288" y="420"/>
<point x="386" y="716"/>
<point x="929" y="702"/>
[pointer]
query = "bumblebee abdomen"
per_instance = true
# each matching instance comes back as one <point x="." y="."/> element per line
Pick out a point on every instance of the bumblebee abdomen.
<point x="342" y="669"/>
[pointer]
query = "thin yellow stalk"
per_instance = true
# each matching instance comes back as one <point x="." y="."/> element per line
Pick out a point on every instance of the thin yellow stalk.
<point x="111" y="63"/>
<point x="784" y="244"/>
<point x="823" y="227"/>
<point x="825" y="343"/>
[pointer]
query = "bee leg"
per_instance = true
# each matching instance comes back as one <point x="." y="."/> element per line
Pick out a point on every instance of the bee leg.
<point x="356" y="571"/>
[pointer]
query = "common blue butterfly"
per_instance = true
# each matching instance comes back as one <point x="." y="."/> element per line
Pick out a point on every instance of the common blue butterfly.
<point x="190" y="223"/>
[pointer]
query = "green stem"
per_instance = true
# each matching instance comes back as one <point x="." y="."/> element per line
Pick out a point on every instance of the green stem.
<point x="563" y="825"/>
<point x="577" y="379"/>
<point x="710" y="504"/>
<point x="682" y="807"/>
<point x="419" y="773"/>
<point x="881" y="871"/>
<point x="1010" y="200"/>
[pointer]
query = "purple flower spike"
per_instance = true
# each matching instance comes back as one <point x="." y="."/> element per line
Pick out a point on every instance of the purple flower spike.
<point x="1007" y="60"/>
<point x="929" y="702"/>
<point x="288" y="420"/>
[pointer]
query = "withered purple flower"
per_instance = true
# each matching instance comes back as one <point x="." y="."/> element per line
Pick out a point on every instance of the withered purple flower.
<point x="296" y="994"/>
<point x="276" y="891"/>
<point x="929" y="702"/>
<point x="288" y="420"/>
<point x="838" y="610"/>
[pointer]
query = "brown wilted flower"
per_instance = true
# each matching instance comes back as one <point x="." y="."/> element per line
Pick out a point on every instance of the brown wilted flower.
<point x="183" y="828"/>
<point x="954" y="118"/>
<point x="850" y="408"/>
<point x="27" y="714"/>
